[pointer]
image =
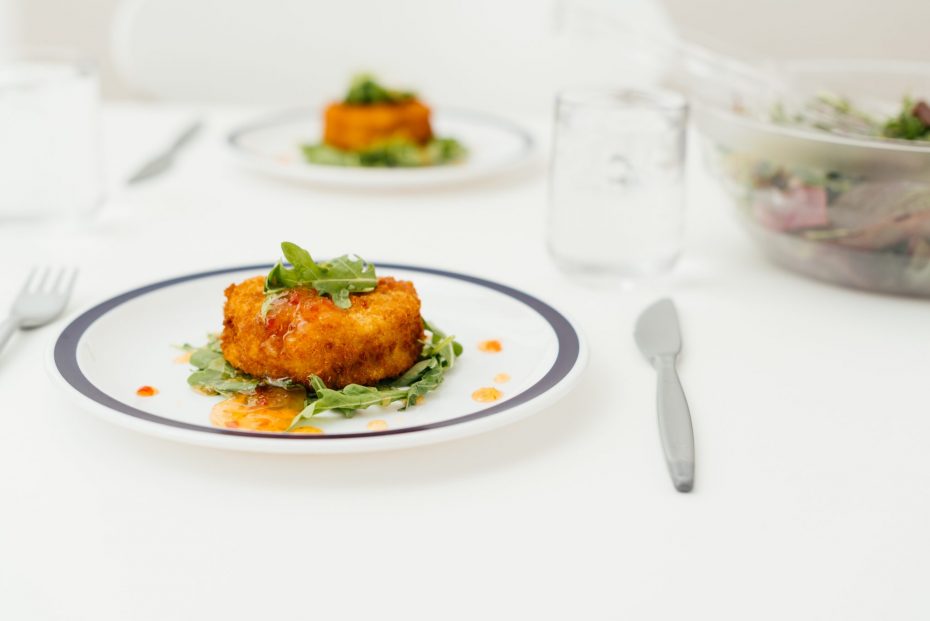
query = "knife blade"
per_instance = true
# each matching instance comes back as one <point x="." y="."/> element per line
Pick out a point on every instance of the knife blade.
<point x="658" y="336"/>
<point x="163" y="161"/>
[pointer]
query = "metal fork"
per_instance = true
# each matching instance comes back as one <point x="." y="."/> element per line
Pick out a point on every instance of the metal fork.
<point x="43" y="298"/>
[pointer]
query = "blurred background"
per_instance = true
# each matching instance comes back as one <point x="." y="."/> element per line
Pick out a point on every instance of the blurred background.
<point x="276" y="51"/>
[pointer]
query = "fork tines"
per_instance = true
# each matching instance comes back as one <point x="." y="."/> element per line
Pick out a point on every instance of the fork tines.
<point x="48" y="279"/>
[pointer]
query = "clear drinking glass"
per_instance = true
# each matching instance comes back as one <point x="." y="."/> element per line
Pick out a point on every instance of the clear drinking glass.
<point x="616" y="183"/>
<point x="50" y="163"/>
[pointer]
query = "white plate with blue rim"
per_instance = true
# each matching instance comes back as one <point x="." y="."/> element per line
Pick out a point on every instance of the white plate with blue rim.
<point x="272" y="145"/>
<point x="108" y="355"/>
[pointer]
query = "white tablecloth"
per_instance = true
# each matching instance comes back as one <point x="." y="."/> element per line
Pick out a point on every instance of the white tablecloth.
<point x="811" y="411"/>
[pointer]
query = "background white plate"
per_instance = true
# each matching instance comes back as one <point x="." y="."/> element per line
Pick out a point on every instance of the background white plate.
<point x="104" y="355"/>
<point x="272" y="145"/>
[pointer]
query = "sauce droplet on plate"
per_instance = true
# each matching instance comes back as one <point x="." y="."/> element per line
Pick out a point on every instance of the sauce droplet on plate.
<point x="184" y="358"/>
<point x="269" y="409"/>
<point x="146" y="391"/>
<point x="377" y="425"/>
<point x="502" y="378"/>
<point x="491" y="347"/>
<point x="486" y="394"/>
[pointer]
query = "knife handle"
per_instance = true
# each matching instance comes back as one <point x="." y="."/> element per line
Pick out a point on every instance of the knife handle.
<point x="675" y="425"/>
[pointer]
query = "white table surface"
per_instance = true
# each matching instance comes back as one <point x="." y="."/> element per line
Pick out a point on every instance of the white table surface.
<point x="811" y="408"/>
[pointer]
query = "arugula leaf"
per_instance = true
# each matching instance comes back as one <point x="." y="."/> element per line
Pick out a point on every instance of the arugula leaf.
<point x="438" y="355"/>
<point x="365" y="90"/>
<point x="444" y="348"/>
<point x="414" y="373"/>
<point x="346" y="401"/>
<point x="429" y="382"/>
<point x="337" y="278"/>
<point x="343" y="275"/>
<point x="215" y="376"/>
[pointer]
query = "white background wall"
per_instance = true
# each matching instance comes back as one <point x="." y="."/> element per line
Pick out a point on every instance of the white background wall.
<point x="768" y="28"/>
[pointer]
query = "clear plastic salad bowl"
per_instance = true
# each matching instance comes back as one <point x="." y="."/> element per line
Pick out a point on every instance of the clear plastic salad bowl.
<point x="848" y="209"/>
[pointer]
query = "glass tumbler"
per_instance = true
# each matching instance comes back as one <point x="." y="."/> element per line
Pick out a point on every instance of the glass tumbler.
<point x="616" y="182"/>
<point x="50" y="163"/>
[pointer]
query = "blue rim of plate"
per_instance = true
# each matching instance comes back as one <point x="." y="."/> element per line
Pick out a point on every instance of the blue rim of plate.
<point x="235" y="137"/>
<point x="66" y="363"/>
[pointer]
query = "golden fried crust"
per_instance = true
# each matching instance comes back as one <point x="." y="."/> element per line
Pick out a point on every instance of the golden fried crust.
<point x="359" y="127"/>
<point x="305" y="334"/>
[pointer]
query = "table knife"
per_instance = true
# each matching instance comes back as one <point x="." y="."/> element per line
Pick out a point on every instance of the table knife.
<point x="162" y="162"/>
<point x="659" y="338"/>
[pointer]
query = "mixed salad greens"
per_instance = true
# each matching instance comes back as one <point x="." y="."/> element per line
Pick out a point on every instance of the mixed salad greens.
<point x="861" y="225"/>
<point x="214" y="375"/>
<point x="394" y="153"/>
<point x="836" y="114"/>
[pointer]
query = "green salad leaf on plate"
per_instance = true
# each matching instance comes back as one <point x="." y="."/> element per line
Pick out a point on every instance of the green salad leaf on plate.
<point x="336" y="278"/>
<point x="394" y="153"/>
<point x="213" y="375"/>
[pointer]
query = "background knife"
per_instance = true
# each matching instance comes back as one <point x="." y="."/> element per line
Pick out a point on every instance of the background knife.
<point x="163" y="161"/>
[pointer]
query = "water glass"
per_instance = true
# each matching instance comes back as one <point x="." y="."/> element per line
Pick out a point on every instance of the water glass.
<point x="616" y="183"/>
<point x="49" y="136"/>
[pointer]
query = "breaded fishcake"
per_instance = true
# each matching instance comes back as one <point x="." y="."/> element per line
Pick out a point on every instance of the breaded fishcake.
<point x="305" y="334"/>
<point x="358" y="127"/>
